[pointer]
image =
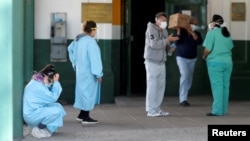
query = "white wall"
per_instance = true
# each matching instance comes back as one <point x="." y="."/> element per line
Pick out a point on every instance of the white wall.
<point x="238" y="29"/>
<point x="43" y="9"/>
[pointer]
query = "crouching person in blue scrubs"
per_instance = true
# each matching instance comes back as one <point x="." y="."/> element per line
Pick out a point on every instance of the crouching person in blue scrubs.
<point x="40" y="109"/>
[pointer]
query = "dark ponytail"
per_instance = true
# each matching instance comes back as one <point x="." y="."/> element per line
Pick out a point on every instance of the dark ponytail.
<point x="219" y="21"/>
<point x="225" y="32"/>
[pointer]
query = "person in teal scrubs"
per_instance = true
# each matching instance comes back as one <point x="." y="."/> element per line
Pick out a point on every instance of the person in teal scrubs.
<point x="218" y="45"/>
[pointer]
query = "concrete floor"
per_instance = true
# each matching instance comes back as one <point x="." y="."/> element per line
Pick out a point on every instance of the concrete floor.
<point x="126" y="120"/>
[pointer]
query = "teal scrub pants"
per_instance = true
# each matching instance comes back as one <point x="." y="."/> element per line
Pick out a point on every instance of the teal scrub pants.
<point x="219" y="75"/>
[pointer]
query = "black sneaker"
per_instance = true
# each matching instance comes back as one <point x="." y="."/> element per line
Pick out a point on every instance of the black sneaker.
<point x="89" y="121"/>
<point x="184" y="104"/>
<point x="211" y="114"/>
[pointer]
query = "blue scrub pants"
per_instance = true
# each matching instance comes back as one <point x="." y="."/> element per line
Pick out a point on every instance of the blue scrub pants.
<point x="186" y="68"/>
<point x="156" y="81"/>
<point x="50" y="115"/>
<point x="219" y="75"/>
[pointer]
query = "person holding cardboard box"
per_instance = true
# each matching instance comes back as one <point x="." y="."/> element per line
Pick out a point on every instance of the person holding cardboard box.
<point x="186" y="53"/>
<point x="156" y="41"/>
<point x="178" y="20"/>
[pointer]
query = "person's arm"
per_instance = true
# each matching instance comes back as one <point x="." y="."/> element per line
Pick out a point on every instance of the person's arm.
<point x="95" y="60"/>
<point x="199" y="39"/>
<point x="178" y="31"/>
<point x="181" y="34"/>
<point x="56" y="88"/>
<point x="208" y="44"/>
<point x="194" y="35"/>
<point x="71" y="53"/>
<point x="172" y="38"/>
<point x="205" y="53"/>
<point x="43" y="94"/>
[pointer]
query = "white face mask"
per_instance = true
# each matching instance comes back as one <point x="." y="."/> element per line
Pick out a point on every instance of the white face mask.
<point x="194" y="27"/>
<point x="163" y="25"/>
<point x="210" y="26"/>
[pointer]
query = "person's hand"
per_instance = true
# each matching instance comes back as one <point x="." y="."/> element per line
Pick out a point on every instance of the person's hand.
<point x="46" y="79"/>
<point x="195" y="37"/>
<point x="189" y="29"/>
<point x="211" y="25"/>
<point x="178" y="30"/>
<point x="171" y="38"/>
<point x="99" y="80"/>
<point x="205" y="54"/>
<point x="56" y="77"/>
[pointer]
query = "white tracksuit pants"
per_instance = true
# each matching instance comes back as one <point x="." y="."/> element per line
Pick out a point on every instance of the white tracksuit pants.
<point x="156" y="80"/>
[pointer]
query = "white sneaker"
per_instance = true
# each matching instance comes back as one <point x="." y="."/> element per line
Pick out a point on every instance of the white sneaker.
<point x="153" y="114"/>
<point x="163" y="113"/>
<point x="36" y="132"/>
<point x="40" y="133"/>
<point x="79" y="119"/>
<point x="46" y="132"/>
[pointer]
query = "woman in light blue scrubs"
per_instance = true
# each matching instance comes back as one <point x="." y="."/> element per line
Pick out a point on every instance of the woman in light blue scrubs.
<point x="41" y="111"/>
<point x="85" y="56"/>
<point x="218" y="45"/>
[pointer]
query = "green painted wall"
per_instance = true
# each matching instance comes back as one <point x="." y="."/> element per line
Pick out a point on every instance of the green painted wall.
<point x="240" y="80"/>
<point x="6" y="71"/>
<point x="108" y="85"/>
<point x="28" y="39"/>
<point x="110" y="58"/>
<point x="18" y="51"/>
<point x="116" y="65"/>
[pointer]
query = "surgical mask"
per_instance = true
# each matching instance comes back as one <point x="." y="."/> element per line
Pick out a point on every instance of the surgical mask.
<point x="163" y="25"/>
<point x="210" y="26"/>
<point x="194" y="27"/>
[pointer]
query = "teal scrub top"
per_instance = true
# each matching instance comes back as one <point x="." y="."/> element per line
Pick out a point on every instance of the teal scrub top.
<point x="219" y="46"/>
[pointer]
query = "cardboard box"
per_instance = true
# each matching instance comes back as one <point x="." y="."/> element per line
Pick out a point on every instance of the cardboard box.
<point x="179" y="20"/>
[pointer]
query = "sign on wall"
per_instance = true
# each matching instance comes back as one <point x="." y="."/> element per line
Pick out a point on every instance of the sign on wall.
<point x="98" y="12"/>
<point x="238" y="11"/>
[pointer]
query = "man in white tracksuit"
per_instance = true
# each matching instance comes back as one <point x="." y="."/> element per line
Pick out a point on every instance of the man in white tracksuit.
<point x="155" y="57"/>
